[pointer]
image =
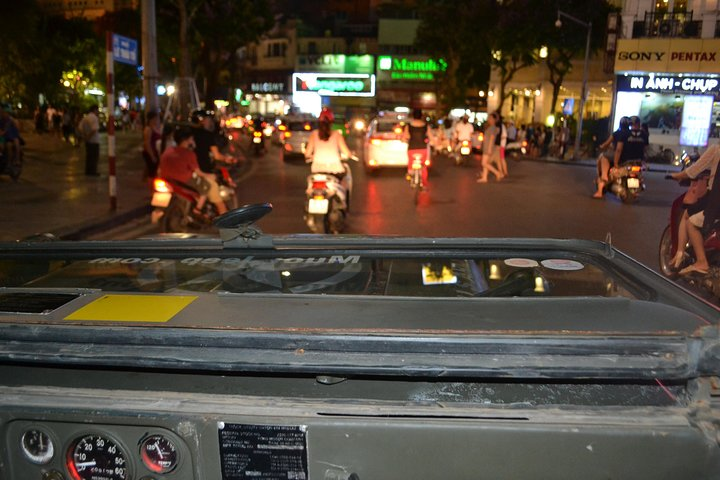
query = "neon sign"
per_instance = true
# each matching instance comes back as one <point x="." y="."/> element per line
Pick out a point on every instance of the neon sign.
<point x="335" y="85"/>
<point x="667" y="84"/>
<point x="414" y="67"/>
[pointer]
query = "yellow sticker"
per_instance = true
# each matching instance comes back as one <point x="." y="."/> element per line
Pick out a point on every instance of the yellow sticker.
<point x="132" y="308"/>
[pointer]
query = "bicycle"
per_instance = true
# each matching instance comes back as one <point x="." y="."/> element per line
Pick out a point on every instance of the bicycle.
<point x="416" y="176"/>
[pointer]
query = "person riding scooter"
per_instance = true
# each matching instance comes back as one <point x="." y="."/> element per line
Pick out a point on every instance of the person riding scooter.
<point x="326" y="147"/>
<point x="706" y="217"/>
<point x="206" y="141"/>
<point x="179" y="163"/>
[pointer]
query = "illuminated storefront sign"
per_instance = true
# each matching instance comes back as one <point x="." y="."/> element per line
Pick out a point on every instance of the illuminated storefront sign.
<point x="267" y="87"/>
<point x="335" y="63"/>
<point x="335" y="85"/>
<point x="662" y="83"/>
<point x="668" y="55"/>
<point x="409" y="68"/>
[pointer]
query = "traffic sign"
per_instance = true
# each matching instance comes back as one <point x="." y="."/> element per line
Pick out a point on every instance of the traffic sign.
<point x="125" y="50"/>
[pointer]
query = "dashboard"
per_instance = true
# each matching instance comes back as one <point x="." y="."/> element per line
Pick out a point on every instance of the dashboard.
<point x="382" y="359"/>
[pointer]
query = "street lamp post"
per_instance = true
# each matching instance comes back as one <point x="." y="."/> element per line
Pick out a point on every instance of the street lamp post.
<point x="583" y="93"/>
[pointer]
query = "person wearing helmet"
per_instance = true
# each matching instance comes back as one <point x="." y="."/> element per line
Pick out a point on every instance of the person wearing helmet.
<point x="326" y="147"/>
<point x="180" y="163"/>
<point x="463" y="130"/>
<point x="608" y="148"/>
<point x="206" y="141"/>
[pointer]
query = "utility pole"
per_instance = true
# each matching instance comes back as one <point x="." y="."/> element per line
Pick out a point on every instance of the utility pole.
<point x="149" y="56"/>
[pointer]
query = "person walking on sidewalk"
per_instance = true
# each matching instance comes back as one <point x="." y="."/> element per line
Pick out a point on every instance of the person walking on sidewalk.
<point x="90" y="130"/>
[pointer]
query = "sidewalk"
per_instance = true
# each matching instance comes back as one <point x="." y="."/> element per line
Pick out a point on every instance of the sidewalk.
<point x="592" y="162"/>
<point x="54" y="196"/>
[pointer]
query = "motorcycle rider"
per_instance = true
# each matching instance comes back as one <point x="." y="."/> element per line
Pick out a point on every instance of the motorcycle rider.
<point x="462" y="131"/>
<point x="708" y="161"/>
<point x="180" y="163"/>
<point x="603" y="162"/>
<point x="206" y="141"/>
<point x="325" y="147"/>
<point x="11" y="135"/>
<point x="417" y="134"/>
<point x="631" y="145"/>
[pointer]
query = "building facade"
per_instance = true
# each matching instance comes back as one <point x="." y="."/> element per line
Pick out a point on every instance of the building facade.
<point x="667" y="70"/>
<point x="89" y="9"/>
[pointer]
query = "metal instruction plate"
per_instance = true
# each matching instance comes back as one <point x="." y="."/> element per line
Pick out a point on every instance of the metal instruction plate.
<point x="269" y="452"/>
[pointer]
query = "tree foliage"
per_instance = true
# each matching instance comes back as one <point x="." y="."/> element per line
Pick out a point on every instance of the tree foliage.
<point x="474" y="36"/>
<point x="209" y="34"/>
<point x="568" y="42"/>
<point x="454" y="30"/>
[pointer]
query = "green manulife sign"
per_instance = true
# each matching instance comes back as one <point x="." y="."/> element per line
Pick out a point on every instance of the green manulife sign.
<point x="412" y="68"/>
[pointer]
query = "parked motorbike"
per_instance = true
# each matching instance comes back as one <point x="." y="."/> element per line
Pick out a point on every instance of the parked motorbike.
<point x="463" y="153"/>
<point x="626" y="182"/>
<point x="328" y="201"/>
<point x="176" y="203"/>
<point x="11" y="162"/>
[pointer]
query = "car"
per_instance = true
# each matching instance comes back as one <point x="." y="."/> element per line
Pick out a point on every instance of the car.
<point x="384" y="146"/>
<point x="244" y="355"/>
<point x="295" y="134"/>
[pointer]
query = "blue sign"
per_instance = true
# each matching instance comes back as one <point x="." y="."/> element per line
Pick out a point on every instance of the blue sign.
<point x="125" y="50"/>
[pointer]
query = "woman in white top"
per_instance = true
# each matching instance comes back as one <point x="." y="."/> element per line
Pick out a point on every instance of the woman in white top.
<point x="327" y="147"/>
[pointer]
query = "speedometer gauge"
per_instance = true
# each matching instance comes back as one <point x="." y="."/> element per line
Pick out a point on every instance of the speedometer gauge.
<point x="94" y="457"/>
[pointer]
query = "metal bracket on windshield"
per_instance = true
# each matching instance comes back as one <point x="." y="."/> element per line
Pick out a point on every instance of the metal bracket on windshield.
<point x="238" y="230"/>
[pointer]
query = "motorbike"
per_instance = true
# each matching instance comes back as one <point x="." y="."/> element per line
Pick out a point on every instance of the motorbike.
<point x="626" y="181"/>
<point x="328" y="201"/>
<point x="416" y="177"/>
<point x="710" y="281"/>
<point x="11" y="162"/>
<point x="258" y="142"/>
<point x="175" y="203"/>
<point x="463" y="152"/>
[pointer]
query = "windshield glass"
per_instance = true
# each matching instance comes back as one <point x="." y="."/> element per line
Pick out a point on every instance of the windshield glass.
<point x="533" y="276"/>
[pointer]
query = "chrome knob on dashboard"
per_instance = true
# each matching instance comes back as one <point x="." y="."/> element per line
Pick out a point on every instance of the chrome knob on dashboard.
<point x="337" y="474"/>
<point x="53" y="475"/>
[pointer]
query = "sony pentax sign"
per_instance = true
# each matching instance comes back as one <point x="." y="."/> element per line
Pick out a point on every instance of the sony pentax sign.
<point x="690" y="56"/>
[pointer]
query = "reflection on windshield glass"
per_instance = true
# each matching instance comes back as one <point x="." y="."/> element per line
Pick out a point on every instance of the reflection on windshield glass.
<point x="331" y="275"/>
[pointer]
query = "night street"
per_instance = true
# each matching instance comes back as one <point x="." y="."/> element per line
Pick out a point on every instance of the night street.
<point x="537" y="200"/>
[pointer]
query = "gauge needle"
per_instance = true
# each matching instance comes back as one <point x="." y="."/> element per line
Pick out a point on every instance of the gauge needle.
<point x="86" y="464"/>
<point x="42" y="447"/>
<point x="159" y="450"/>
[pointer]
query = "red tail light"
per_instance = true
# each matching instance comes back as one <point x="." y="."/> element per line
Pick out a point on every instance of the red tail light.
<point x="161" y="186"/>
<point x="257" y="134"/>
<point x="465" y="143"/>
<point x="319" y="185"/>
<point x="635" y="168"/>
<point x="524" y="143"/>
<point x="225" y="173"/>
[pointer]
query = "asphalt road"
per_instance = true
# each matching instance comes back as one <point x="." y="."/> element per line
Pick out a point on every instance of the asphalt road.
<point x="537" y="200"/>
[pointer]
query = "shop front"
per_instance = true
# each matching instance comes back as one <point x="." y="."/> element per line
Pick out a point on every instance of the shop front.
<point x="268" y="93"/>
<point x="674" y="87"/>
<point x="408" y="81"/>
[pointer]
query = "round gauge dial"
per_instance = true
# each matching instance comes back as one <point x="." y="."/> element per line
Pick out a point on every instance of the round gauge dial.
<point x="94" y="457"/>
<point x="159" y="454"/>
<point x="37" y="446"/>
